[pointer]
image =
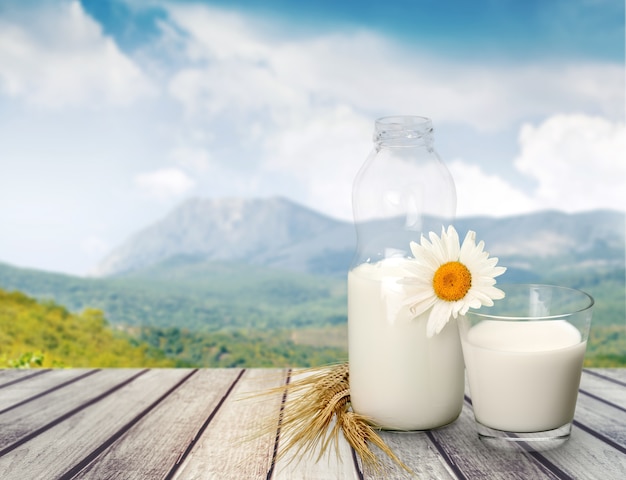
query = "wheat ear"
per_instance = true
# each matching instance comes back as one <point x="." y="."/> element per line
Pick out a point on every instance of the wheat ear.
<point x="314" y="400"/>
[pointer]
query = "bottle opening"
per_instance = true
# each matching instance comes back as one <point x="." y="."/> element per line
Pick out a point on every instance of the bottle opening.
<point x="404" y="127"/>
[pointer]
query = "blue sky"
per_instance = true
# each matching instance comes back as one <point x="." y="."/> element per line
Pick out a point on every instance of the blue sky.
<point x="113" y="113"/>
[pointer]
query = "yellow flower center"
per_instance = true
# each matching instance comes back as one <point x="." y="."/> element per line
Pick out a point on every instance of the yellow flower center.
<point x="452" y="281"/>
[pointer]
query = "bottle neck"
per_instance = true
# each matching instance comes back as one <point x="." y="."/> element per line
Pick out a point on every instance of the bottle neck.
<point x="403" y="131"/>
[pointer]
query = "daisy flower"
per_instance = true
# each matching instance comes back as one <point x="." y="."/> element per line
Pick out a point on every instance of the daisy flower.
<point x="448" y="278"/>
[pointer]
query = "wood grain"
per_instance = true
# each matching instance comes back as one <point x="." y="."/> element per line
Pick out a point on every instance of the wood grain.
<point x="157" y="441"/>
<point x="32" y="386"/>
<point x="212" y="424"/>
<point x="7" y="375"/>
<point x="240" y="441"/>
<point x="65" y="444"/>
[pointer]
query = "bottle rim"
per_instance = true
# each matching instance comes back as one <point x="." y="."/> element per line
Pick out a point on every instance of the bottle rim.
<point x="402" y="126"/>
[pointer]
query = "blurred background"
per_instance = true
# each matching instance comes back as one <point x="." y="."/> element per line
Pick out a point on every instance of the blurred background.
<point x="183" y="169"/>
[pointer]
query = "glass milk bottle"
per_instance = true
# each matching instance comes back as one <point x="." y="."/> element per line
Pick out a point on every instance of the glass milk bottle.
<point x="399" y="378"/>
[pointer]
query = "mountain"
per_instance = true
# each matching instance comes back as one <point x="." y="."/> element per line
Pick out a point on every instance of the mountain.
<point x="265" y="268"/>
<point x="256" y="231"/>
<point x="549" y="241"/>
<point x="278" y="233"/>
<point x="233" y="282"/>
<point x="550" y="232"/>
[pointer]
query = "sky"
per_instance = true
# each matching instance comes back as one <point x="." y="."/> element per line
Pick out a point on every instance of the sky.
<point x="113" y="113"/>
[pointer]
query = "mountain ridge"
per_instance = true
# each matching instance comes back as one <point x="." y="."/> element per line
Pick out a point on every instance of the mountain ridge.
<point x="278" y="233"/>
<point x="295" y="280"/>
<point x="301" y="281"/>
<point x="217" y="229"/>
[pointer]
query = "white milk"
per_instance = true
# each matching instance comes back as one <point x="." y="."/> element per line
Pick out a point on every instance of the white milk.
<point x="399" y="378"/>
<point x="524" y="376"/>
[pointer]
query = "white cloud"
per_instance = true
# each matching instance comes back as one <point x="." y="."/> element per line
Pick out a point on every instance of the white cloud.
<point x="375" y="75"/>
<point x="579" y="162"/>
<point x="94" y="246"/>
<point x="241" y="106"/>
<point x="324" y="153"/>
<point x="165" y="183"/>
<point x="305" y="105"/>
<point x="482" y="193"/>
<point x="238" y="65"/>
<point x="219" y="34"/>
<point x="58" y="56"/>
<point x="195" y="158"/>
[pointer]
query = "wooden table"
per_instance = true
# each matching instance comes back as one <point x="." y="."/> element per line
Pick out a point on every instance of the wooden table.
<point x="202" y="424"/>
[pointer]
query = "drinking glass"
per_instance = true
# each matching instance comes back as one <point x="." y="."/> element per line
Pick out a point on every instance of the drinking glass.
<point x="523" y="358"/>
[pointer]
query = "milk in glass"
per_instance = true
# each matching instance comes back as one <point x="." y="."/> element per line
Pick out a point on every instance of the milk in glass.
<point x="524" y="375"/>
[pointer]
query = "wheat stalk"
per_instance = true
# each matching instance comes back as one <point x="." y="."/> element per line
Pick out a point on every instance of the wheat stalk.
<point x="317" y="409"/>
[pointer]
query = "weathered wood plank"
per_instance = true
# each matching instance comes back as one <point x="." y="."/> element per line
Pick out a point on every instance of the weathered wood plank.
<point x="468" y="457"/>
<point x="150" y="449"/>
<point x="20" y="422"/>
<point x="584" y="457"/>
<point x="63" y="446"/>
<point x="235" y="446"/>
<point x="417" y="452"/>
<point x="8" y="375"/>
<point x="614" y="373"/>
<point x="32" y="386"/>
<point x="605" y="418"/>
<point x="606" y="385"/>
<point x="141" y="429"/>
<point x="332" y="464"/>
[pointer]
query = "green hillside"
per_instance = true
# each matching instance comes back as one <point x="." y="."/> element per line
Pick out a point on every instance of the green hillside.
<point x="224" y="315"/>
<point x="213" y="296"/>
<point x="47" y="335"/>
<point x="197" y="296"/>
<point x="247" y="348"/>
<point x="44" y="334"/>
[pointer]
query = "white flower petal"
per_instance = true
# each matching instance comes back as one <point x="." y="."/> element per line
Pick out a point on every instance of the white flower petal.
<point x="499" y="271"/>
<point x="420" y="296"/>
<point x="429" y="255"/>
<point x="472" y="303"/>
<point x="452" y="244"/>
<point x="494" y="293"/>
<point x="439" y="316"/>
<point x="423" y="306"/>
<point x="417" y="270"/>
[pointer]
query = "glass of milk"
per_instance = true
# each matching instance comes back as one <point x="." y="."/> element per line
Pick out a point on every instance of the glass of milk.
<point x="523" y="359"/>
